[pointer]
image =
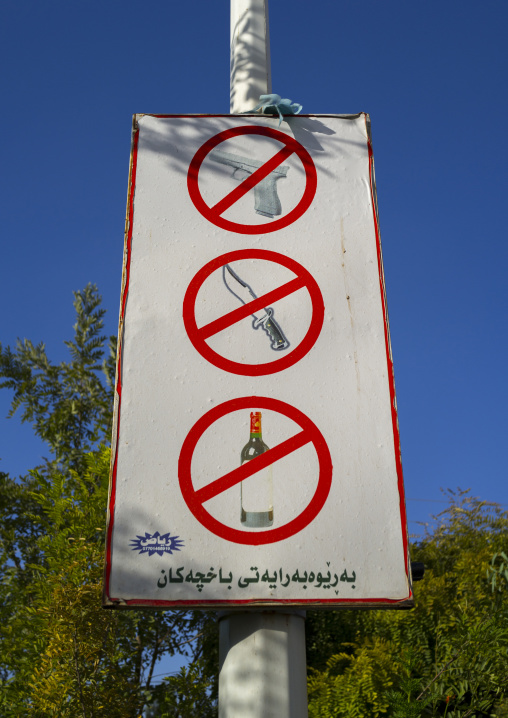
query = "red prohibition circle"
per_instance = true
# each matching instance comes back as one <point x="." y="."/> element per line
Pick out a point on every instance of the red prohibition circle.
<point x="290" y="146"/>
<point x="198" y="335"/>
<point x="194" y="499"/>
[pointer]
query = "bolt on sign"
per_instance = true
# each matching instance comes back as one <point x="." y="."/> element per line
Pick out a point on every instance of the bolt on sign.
<point x="256" y="455"/>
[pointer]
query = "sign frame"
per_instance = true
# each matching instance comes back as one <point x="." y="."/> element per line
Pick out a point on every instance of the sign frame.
<point x="111" y="601"/>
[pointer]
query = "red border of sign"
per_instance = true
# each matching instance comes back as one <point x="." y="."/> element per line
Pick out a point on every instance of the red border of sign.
<point x="110" y="601"/>
<point x="289" y="218"/>
<point x="255" y="538"/>
<point x="283" y="362"/>
<point x="391" y="375"/>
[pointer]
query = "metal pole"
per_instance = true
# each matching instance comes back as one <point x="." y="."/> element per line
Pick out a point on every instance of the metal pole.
<point x="250" y="54"/>
<point x="263" y="672"/>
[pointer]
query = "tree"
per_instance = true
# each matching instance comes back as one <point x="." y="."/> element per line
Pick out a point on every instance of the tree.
<point x="61" y="653"/>
<point x="450" y="654"/>
<point x="68" y="404"/>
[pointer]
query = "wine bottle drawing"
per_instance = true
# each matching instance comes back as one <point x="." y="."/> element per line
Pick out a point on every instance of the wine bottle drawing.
<point x="257" y="490"/>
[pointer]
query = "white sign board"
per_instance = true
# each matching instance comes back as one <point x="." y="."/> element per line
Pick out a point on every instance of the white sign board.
<point x="255" y="453"/>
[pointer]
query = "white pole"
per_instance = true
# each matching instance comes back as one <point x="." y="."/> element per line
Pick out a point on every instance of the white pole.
<point x="263" y="671"/>
<point x="250" y="54"/>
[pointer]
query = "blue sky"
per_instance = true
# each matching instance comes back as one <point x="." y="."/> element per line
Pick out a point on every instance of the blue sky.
<point x="432" y="76"/>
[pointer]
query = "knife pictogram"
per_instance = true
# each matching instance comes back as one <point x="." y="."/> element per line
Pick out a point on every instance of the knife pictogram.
<point x="262" y="318"/>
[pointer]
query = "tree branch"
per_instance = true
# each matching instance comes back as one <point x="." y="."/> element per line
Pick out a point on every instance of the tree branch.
<point x="455" y="656"/>
<point x="78" y="675"/>
<point x="154" y="657"/>
<point x="139" y="658"/>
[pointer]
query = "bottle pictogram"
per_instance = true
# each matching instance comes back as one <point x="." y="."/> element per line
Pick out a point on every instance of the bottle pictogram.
<point x="257" y="490"/>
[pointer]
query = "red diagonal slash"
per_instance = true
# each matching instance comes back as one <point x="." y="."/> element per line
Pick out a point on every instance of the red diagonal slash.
<point x="249" y="182"/>
<point x="215" y="214"/>
<point x="251" y="467"/>
<point x="199" y="336"/>
<point x="306" y="433"/>
<point x="244" y="311"/>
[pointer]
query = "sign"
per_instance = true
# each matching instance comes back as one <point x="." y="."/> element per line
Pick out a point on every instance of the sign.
<point x="195" y="499"/>
<point x="258" y="174"/>
<point x="256" y="455"/>
<point x="198" y="336"/>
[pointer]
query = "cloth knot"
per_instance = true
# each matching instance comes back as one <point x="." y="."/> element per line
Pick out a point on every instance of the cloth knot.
<point x="274" y="105"/>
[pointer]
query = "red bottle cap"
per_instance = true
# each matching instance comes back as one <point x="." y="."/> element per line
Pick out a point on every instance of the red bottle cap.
<point x="255" y="422"/>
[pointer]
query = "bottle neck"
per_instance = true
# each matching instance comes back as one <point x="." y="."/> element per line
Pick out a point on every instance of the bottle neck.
<point x="255" y="425"/>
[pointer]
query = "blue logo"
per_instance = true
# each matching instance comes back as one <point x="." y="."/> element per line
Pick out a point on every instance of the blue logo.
<point x="156" y="543"/>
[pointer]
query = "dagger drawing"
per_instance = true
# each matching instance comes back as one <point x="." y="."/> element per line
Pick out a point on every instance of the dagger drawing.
<point x="263" y="317"/>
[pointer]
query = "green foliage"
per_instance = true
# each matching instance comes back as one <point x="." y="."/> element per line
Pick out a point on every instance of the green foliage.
<point x="75" y="643"/>
<point x="497" y="573"/>
<point x="457" y="664"/>
<point x="406" y="701"/>
<point x="68" y="404"/>
<point x="353" y="684"/>
<point x="61" y="654"/>
<point x="184" y="695"/>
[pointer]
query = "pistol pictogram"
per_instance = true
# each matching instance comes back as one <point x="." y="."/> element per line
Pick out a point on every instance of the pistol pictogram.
<point x="266" y="199"/>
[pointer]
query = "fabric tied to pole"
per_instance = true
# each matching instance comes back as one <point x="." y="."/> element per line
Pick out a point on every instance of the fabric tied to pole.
<point x="274" y="105"/>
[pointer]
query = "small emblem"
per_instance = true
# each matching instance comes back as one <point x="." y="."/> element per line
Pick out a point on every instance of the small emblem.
<point x="156" y="543"/>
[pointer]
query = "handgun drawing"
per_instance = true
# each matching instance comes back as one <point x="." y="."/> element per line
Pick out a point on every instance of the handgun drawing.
<point x="262" y="318"/>
<point x="266" y="199"/>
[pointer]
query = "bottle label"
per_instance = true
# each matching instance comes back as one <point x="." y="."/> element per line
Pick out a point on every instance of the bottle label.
<point x="255" y="422"/>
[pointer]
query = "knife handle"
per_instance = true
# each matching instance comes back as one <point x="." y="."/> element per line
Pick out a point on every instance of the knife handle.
<point x="272" y="329"/>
